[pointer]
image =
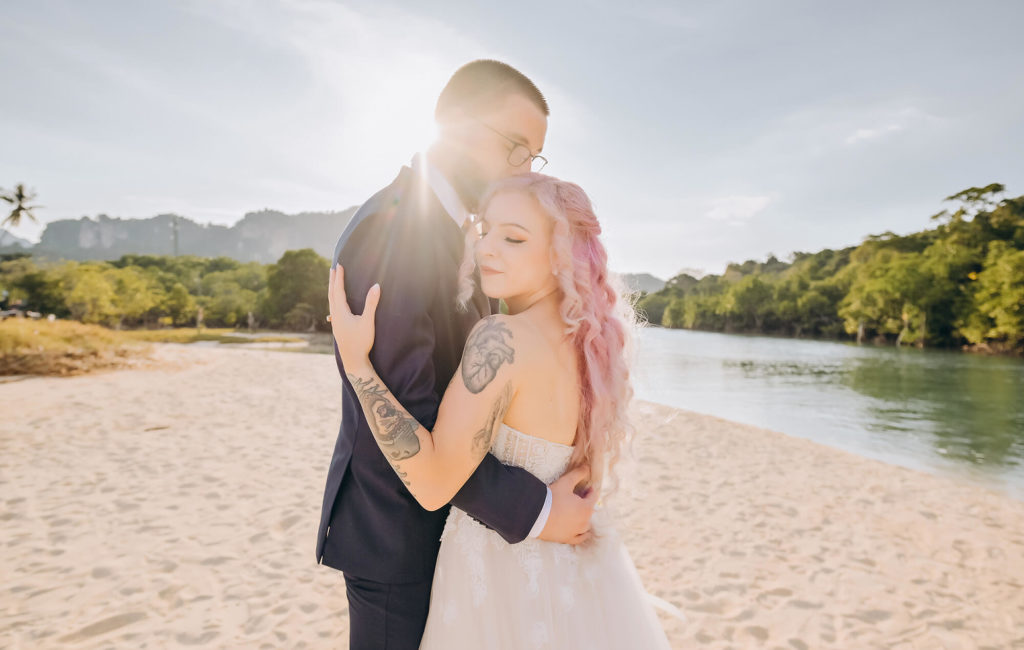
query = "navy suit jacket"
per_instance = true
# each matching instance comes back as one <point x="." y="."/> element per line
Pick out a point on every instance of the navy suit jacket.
<point x="370" y="525"/>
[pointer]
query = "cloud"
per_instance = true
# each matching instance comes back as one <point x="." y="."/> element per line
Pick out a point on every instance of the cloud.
<point x="896" y="121"/>
<point x="735" y="210"/>
<point x="870" y="134"/>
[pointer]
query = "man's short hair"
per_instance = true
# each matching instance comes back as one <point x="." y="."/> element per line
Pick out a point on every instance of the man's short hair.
<point x="483" y="82"/>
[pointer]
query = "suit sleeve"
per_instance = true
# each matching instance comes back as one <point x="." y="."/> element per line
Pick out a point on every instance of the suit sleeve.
<point x="506" y="499"/>
<point x="382" y="250"/>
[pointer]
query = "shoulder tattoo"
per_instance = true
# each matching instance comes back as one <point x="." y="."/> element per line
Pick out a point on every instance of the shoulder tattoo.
<point x="488" y="347"/>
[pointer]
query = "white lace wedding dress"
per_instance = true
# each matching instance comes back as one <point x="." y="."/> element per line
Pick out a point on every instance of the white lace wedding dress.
<point x="491" y="594"/>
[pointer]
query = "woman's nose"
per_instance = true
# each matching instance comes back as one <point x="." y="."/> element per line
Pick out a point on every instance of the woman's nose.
<point x="483" y="247"/>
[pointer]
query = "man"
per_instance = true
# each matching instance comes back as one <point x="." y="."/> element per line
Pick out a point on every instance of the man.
<point x="409" y="238"/>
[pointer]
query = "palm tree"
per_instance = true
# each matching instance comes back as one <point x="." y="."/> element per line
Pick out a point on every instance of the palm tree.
<point x="19" y="198"/>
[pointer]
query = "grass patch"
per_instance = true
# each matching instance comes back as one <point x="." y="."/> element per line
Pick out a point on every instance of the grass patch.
<point x="274" y="339"/>
<point x="65" y="347"/>
<point x="182" y="335"/>
<point x="190" y="335"/>
<point x="40" y="347"/>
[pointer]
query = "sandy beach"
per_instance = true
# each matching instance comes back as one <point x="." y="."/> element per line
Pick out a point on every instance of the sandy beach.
<point x="176" y="504"/>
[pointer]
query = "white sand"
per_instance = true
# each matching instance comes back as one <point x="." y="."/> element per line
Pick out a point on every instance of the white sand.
<point x="178" y="505"/>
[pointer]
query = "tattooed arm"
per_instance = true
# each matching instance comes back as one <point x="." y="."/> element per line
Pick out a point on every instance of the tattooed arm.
<point x="434" y="465"/>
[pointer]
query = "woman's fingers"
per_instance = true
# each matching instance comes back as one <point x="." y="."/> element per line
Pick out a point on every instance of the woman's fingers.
<point x="340" y="300"/>
<point x="583" y="538"/>
<point x="578" y="475"/>
<point x="330" y="290"/>
<point x="372" y="298"/>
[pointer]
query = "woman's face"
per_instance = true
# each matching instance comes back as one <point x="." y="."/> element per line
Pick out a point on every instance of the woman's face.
<point x="514" y="250"/>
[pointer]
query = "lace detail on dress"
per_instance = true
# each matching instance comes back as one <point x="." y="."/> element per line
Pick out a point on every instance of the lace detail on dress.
<point x="544" y="459"/>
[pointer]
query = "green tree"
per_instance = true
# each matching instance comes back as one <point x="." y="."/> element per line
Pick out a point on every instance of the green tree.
<point x="998" y="314"/>
<point x="748" y="302"/>
<point x="39" y="288"/>
<point x="179" y="305"/>
<point x="134" y="295"/>
<point x="652" y="307"/>
<point x="301" y="317"/>
<point x="91" y="297"/>
<point x="298" y="277"/>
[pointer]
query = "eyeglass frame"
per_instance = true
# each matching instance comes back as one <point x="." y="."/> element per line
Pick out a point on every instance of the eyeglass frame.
<point x="516" y="144"/>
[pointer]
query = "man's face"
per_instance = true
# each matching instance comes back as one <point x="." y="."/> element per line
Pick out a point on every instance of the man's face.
<point x="486" y="139"/>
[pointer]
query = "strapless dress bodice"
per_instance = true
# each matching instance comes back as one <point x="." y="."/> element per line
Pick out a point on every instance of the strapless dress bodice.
<point x="544" y="459"/>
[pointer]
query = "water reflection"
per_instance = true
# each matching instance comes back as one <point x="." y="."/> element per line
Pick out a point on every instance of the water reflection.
<point x="934" y="410"/>
<point x="971" y="405"/>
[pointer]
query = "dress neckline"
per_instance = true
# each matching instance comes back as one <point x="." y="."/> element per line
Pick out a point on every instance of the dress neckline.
<point x="544" y="440"/>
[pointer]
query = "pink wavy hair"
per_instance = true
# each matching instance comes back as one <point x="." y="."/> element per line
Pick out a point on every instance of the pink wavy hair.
<point x="594" y="311"/>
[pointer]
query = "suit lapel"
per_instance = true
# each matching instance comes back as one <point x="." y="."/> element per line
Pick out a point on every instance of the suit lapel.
<point x="452" y="238"/>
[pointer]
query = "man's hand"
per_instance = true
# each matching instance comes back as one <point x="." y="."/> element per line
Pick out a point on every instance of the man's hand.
<point x="569" y="520"/>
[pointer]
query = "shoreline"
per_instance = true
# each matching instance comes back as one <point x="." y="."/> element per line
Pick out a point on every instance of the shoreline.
<point x="177" y="504"/>
<point x="980" y="349"/>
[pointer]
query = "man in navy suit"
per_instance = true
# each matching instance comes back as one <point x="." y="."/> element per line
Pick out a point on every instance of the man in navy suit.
<point x="409" y="237"/>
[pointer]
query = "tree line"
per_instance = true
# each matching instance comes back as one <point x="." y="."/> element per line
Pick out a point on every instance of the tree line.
<point x="959" y="284"/>
<point x="162" y="291"/>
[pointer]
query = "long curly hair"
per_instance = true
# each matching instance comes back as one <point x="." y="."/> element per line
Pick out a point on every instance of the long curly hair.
<point x="596" y="315"/>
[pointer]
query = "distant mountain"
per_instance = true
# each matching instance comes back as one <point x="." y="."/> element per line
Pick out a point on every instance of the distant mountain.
<point x="642" y="282"/>
<point x="9" y="240"/>
<point x="259" y="237"/>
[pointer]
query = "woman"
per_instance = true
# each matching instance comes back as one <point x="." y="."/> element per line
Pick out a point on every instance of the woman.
<point x="545" y="387"/>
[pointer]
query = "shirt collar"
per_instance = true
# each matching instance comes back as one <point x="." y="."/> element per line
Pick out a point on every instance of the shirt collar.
<point x="442" y="189"/>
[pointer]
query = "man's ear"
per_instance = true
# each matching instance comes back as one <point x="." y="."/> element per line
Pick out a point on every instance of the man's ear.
<point x="453" y="122"/>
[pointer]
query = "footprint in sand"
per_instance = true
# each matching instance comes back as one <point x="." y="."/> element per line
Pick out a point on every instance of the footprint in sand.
<point x="104" y="626"/>
<point x="288" y="522"/>
<point x="757" y="632"/>
<point x="217" y="560"/>
<point x="745" y="615"/>
<point x="872" y="616"/>
<point x="168" y="593"/>
<point x="773" y="597"/>
<point x="828" y="628"/>
<point x="196" y="639"/>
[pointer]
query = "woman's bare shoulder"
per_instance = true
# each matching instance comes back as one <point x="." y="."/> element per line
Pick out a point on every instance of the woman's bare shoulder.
<point x="501" y="339"/>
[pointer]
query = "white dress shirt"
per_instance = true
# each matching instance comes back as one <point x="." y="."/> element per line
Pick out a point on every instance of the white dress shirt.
<point x="456" y="209"/>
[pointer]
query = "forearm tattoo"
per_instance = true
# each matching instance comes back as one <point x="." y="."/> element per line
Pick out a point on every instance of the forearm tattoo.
<point x="394" y="429"/>
<point x="483" y="438"/>
<point x="489" y="346"/>
<point x="402" y="475"/>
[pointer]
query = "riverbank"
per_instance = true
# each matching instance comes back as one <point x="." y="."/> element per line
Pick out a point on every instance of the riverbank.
<point x="991" y="349"/>
<point x="177" y="504"/>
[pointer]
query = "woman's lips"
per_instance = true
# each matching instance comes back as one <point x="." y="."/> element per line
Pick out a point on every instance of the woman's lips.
<point x="486" y="270"/>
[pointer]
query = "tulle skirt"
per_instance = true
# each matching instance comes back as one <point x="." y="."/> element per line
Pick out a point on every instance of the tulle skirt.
<point x="488" y="594"/>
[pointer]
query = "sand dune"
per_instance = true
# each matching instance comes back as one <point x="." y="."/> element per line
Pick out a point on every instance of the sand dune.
<point x="177" y="504"/>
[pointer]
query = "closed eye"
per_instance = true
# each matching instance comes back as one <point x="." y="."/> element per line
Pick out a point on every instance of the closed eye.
<point x="514" y="241"/>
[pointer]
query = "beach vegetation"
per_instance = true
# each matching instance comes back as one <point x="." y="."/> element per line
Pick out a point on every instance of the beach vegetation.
<point x="957" y="284"/>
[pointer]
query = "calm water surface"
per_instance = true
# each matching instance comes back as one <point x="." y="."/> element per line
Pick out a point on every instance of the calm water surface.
<point x="939" y="411"/>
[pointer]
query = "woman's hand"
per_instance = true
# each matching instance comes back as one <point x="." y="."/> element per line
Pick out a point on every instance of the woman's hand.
<point x="354" y="334"/>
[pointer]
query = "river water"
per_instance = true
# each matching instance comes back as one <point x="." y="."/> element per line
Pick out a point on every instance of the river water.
<point x="939" y="411"/>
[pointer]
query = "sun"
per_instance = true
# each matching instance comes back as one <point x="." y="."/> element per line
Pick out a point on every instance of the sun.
<point x="387" y="116"/>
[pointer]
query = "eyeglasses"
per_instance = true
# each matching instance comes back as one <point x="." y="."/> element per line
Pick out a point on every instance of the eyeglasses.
<point x="519" y="153"/>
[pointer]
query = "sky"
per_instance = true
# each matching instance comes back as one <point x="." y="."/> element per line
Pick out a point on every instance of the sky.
<point x="705" y="132"/>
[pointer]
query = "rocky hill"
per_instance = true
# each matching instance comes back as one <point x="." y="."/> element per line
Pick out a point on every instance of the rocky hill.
<point x="258" y="237"/>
